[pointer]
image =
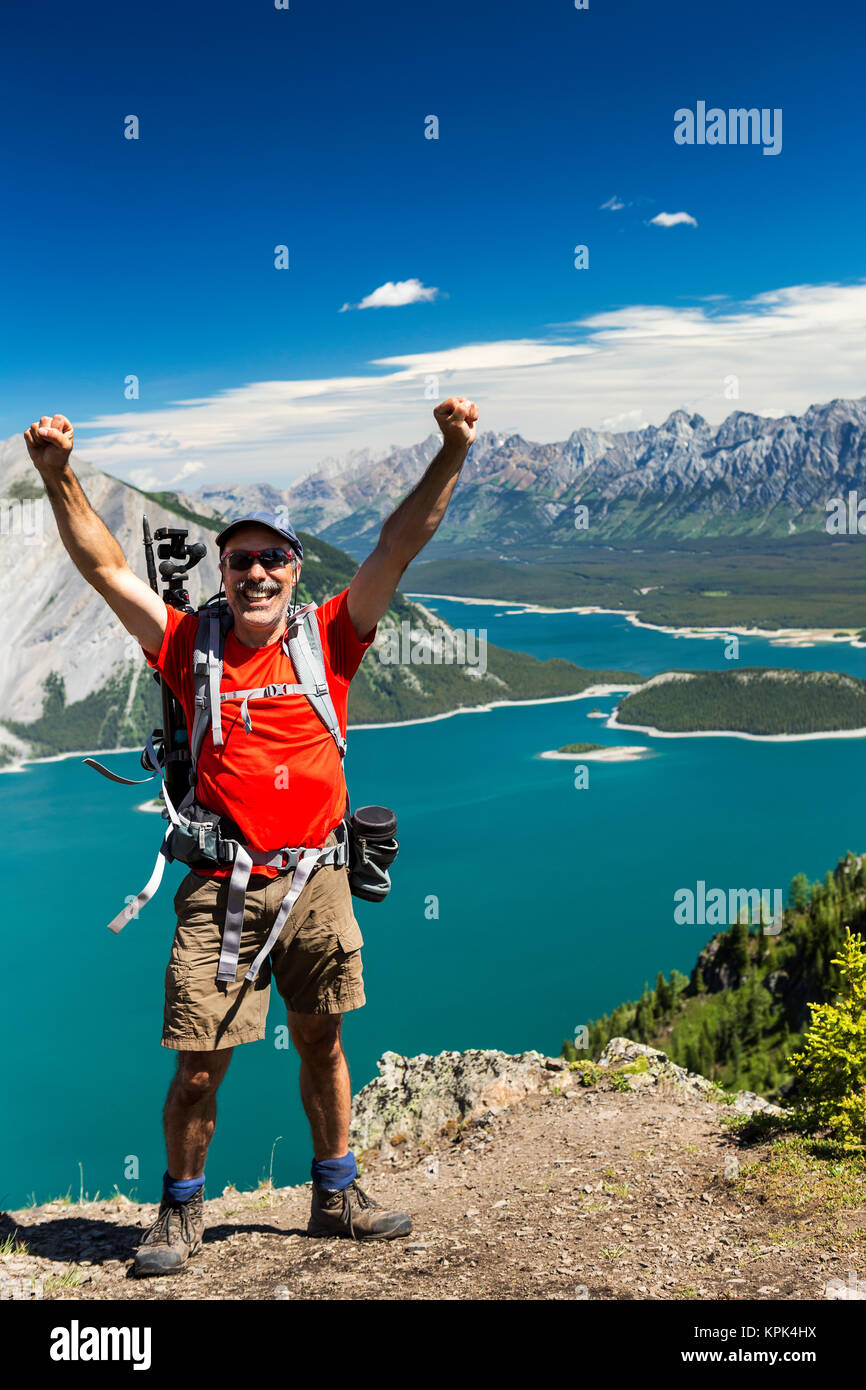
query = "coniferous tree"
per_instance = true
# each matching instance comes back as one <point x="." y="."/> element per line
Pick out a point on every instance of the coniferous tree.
<point x="798" y="893"/>
<point x="664" y="994"/>
<point x="739" y="939"/>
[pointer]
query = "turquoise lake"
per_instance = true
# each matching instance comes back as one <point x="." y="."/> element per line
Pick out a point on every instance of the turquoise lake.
<point x="554" y="904"/>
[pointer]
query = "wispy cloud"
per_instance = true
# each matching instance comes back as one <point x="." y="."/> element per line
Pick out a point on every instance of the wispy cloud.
<point x="190" y="467"/>
<point x="673" y="219"/>
<point x="485" y="357"/>
<point x="394" y="294"/>
<point x="148" y="480"/>
<point x="612" y="205"/>
<point x="773" y="354"/>
<point x="625" y="420"/>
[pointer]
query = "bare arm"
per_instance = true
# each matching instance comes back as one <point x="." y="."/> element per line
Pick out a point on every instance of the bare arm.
<point x="91" y="546"/>
<point x="408" y="529"/>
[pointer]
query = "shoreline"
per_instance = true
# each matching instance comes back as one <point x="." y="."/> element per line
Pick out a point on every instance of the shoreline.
<point x="82" y="753"/>
<point x="779" y="636"/>
<point x="591" y="692"/>
<point x="612" y="723"/>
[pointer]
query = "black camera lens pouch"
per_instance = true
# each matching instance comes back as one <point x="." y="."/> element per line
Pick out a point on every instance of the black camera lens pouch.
<point x="373" y="846"/>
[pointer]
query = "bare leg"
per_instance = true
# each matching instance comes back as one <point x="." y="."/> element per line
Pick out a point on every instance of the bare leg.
<point x="325" y="1088"/>
<point x="189" y="1116"/>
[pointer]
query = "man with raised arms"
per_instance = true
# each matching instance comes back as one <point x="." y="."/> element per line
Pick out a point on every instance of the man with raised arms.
<point x="316" y="959"/>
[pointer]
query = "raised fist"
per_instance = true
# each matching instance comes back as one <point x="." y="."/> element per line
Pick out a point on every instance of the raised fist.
<point x="456" y="419"/>
<point x="49" y="442"/>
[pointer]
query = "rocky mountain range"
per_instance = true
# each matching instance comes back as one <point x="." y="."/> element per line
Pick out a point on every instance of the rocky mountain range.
<point x="684" y="478"/>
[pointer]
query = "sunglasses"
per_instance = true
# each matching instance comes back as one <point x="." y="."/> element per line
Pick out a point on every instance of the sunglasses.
<point x="273" y="558"/>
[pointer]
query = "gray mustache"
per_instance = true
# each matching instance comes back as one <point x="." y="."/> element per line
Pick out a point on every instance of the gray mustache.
<point x="258" y="591"/>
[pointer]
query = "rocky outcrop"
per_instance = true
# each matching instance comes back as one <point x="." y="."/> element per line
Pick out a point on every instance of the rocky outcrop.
<point x="624" y="1052"/>
<point x="715" y="967"/>
<point x="416" y="1098"/>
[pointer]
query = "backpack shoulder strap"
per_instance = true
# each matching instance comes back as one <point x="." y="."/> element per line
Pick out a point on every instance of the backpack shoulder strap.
<point x="305" y="652"/>
<point x="304" y="648"/>
<point x="214" y="621"/>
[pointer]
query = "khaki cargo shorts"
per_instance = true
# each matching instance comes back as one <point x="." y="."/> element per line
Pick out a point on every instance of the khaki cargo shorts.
<point x="315" y="961"/>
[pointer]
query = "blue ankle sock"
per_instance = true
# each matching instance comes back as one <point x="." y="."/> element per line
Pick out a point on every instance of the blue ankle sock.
<point x="334" y="1173"/>
<point x="181" y="1189"/>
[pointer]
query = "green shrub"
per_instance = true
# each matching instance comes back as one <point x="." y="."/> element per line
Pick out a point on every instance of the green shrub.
<point x="588" y="1073"/>
<point x="831" y="1069"/>
<point x="619" y="1081"/>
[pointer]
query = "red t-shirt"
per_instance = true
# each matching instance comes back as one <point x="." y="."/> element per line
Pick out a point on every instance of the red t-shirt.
<point x="283" y="783"/>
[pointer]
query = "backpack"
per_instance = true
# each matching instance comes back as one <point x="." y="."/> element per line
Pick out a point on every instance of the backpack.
<point x="196" y="835"/>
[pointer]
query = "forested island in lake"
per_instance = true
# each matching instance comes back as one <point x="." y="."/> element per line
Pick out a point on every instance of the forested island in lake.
<point x="755" y="700"/>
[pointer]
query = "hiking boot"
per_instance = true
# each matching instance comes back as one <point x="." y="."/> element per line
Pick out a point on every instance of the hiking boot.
<point x="174" y="1236"/>
<point x="350" y="1212"/>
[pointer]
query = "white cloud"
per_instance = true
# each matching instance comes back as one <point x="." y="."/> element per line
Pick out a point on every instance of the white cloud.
<point x="147" y="480"/>
<point x="673" y="219"/>
<point x="394" y="294"/>
<point x="612" y="205"/>
<point x="481" y="357"/>
<point x="787" y="348"/>
<point x="625" y="420"/>
<point x="191" y="466"/>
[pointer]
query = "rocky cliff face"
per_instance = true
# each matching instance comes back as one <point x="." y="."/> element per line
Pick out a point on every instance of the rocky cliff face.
<point x="50" y="619"/>
<point x="417" y="1098"/>
<point x="682" y="478"/>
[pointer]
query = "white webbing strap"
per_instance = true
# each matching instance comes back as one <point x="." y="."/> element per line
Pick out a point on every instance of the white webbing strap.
<point x="115" y="776"/>
<point x="263" y="692"/>
<point x="299" y="878"/>
<point x="231" y="942"/>
<point x="135" y="905"/>
<point x="310" y="668"/>
<point x="333" y="854"/>
<point x="302" y="861"/>
<point x="152" y="761"/>
<point x="214" y="671"/>
<point x="169" y="804"/>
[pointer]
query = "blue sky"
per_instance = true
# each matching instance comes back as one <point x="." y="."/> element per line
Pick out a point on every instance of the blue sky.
<point x="305" y="127"/>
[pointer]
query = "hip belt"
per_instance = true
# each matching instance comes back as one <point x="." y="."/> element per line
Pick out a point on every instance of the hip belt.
<point x="201" y="843"/>
<point x="303" y="862"/>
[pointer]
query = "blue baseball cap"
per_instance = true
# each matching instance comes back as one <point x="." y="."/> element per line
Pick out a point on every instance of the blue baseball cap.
<point x="271" y="519"/>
